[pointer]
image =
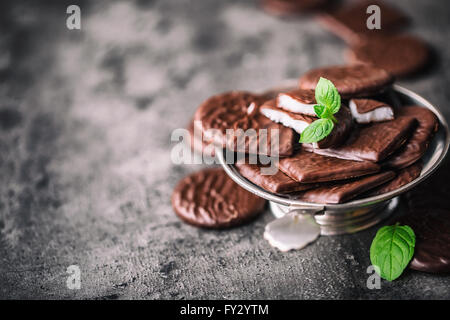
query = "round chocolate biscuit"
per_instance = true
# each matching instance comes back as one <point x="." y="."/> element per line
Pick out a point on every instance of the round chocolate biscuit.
<point x="428" y="215"/>
<point x="229" y="110"/>
<point x="432" y="229"/>
<point x="210" y="199"/>
<point x="401" y="55"/>
<point x="239" y="111"/>
<point x="356" y="80"/>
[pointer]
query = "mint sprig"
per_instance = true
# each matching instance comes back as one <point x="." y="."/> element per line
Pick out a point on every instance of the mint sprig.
<point x="319" y="128"/>
<point x="391" y="250"/>
<point x="329" y="103"/>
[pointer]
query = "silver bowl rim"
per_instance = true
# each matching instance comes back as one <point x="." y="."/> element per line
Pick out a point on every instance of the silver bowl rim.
<point x="236" y="177"/>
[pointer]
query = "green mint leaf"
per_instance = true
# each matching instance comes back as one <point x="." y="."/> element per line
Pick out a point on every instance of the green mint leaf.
<point x="327" y="95"/>
<point x="316" y="131"/>
<point x="321" y="111"/>
<point x="391" y="250"/>
<point x="329" y="102"/>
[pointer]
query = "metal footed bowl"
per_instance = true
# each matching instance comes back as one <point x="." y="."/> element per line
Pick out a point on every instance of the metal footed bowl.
<point x="361" y="213"/>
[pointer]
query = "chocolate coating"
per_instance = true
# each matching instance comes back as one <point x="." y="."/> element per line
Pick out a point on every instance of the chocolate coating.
<point x="401" y="55"/>
<point x="404" y="176"/>
<point x="277" y="183"/>
<point x="418" y="143"/>
<point x="350" y="80"/>
<point x="375" y="141"/>
<point x="210" y="199"/>
<point x="307" y="167"/>
<point x="428" y="214"/>
<point x="350" y="21"/>
<point x="283" y="146"/>
<point x="367" y="105"/>
<point x="342" y="192"/>
<point x="432" y="250"/>
<point x="341" y="130"/>
<point x="303" y="96"/>
<point x="240" y="110"/>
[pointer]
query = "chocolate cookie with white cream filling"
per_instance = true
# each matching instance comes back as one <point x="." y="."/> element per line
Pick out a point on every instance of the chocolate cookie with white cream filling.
<point x="299" y="122"/>
<point x="238" y="112"/>
<point x="370" y="110"/>
<point x="298" y="101"/>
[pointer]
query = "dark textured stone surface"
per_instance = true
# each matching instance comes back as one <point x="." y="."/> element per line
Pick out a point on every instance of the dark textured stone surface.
<point x="85" y="170"/>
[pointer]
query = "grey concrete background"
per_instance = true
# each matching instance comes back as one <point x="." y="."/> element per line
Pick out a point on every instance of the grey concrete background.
<point x="85" y="170"/>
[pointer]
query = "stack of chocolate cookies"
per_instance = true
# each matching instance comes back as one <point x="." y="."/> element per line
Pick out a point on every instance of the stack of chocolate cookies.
<point x="375" y="146"/>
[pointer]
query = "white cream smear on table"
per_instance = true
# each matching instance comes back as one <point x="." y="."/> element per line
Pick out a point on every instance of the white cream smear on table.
<point x="292" y="232"/>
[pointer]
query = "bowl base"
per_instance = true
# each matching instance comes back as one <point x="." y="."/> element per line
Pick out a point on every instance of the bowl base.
<point x="351" y="221"/>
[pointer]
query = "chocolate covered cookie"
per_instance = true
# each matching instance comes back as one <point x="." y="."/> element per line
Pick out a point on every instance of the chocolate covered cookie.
<point x="296" y="121"/>
<point x="210" y="199"/>
<point x="418" y="143"/>
<point x="277" y="183"/>
<point x="350" y="80"/>
<point x="297" y="101"/>
<point x="432" y="229"/>
<point x="307" y="167"/>
<point x="373" y="142"/>
<point x="400" y="55"/>
<point x="239" y="111"/>
<point x="350" y="21"/>
<point x="299" y="122"/>
<point x="370" y="110"/>
<point x="404" y="176"/>
<point x="345" y="191"/>
<point x="428" y="214"/>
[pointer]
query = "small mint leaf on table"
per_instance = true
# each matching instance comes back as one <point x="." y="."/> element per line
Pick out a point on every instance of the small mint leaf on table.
<point x="392" y="250"/>
<point x="316" y="131"/>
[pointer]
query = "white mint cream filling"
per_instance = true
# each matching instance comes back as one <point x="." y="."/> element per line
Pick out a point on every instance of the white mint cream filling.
<point x="377" y="115"/>
<point x="284" y="119"/>
<point x="288" y="103"/>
